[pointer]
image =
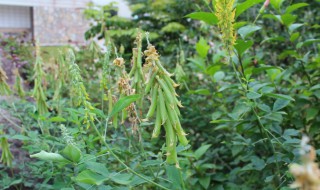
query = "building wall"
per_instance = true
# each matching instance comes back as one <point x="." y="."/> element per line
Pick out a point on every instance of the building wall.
<point x="59" y="26"/>
<point x="15" y="17"/>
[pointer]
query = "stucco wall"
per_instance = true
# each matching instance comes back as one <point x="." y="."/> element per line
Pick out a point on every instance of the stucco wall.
<point x="59" y="26"/>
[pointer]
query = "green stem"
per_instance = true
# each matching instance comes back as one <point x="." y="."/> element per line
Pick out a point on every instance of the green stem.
<point x="122" y="163"/>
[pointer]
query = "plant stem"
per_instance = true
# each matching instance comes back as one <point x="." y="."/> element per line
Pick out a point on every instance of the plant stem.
<point x="122" y="163"/>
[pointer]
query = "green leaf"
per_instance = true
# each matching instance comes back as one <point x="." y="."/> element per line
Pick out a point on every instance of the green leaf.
<point x="247" y="30"/>
<point x="246" y="5"/>
<point x="72" y="153"/>
<point x="97" y="167"/>
<point x="90" y="177"/>
<point x="276" y="4"/>
<point x="286" y="97"/>
<point x="49" y="156"/>
<point x="296" y="6"/>
<point x="241" y="45"/>
<point x="200" y="151"/>
<point x="202" y="47"/>
<point x="293" y="27"/>
<point x="173" y="174"/>
<point x="123" y="103"/>
<point x="209" y="18"/>
<point x="288" y="19"/>
<point x="280" y="103"/>
<point x="123" y="179"/>
<point x="205" y="182"/>
<point x="294" y="36"/>
<point x="200" y="91"/>
<point x="311" y="113"/>
<point x="253" y="95"/>
<point x="307" y="42"/>
<point x="218" y="76"/>
<point x="57" y="119"/>
<point x="173" y="27"/>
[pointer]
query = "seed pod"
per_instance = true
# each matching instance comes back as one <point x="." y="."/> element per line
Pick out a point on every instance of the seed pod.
<point x="169" y="85"/>
<point x="124" y="115"/>
<point x="153" y="101"/>
<point x="162" y="105"/>
<point x="166" y="90"/>
<point x="115" y="121"/>
<point x="110" y="101"/>
<point x="162" y="68"/>
<point x="178" y="128"/>
<point x="151" y="81"/>
<point x="157" y="126"/>
<point x="171" y="144"/>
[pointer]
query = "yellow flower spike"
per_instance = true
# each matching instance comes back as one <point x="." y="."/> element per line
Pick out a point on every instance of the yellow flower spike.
<point x="226" y="14"/>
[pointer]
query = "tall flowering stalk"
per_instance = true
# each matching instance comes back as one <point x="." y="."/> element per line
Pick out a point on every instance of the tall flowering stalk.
<point x="226" y="14"/>
<point x="4" y="87"/>
<point x="38" y="91"/>
<point x="6" y="156"/>
<point x="79" y="90"/>
<point x="18" y="84"/>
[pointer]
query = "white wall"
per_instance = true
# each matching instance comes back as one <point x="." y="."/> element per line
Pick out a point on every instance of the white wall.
<point x="15" y="17"/>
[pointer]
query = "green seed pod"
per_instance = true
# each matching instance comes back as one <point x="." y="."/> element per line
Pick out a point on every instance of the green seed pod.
<point x="169" y="85"/>
<point x="170" y="143"/>
<point x="162" y="105"/>
<point x="124" y="115"/>
<point x="151" y="81"/>
<point x="157" y="126"/>
<point x="162" y="68"/>
<point x="166" y="90"/>
<point x="115" y="121"/>
<point x="178" y="128"/>
<point x="153" y="101"/>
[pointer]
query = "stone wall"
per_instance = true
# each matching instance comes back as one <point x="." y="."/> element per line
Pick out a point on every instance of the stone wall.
<point x="59" y="26"/>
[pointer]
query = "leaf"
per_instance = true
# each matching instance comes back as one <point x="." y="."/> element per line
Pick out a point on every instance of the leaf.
<point x="280" y="103"/>
<point x="200" y="151"/>
<point x="307" y="42"/>
<point x="173" y="174"/>
<point x="49" y="156"/>
<point x="282" y="96"/>
<point x="246" y="5"/>
<point x="57" y="119"/>
<point x="209" y="18"/>
<point x="218" y="76"/>
<point x="90" y="177"/>
<point x="288" y="19"/>
<point x="98" y="168"/>
<point x="311" y="113"/>
<point x="123" y="103"/>
<point x="202" y="47"/>
<point x="123" y="179"/>
<point x="200" y="91"/>
<point x="293" y="27"/>
<point x="246" y="30"/>
<point x="296" y="6"/>
<point x="253" y="95"/>
<point x="241" y="45"/>
<point x="173" y="27"/>
<point x="276" y="4"/>
<point x="72" y="153"/>
<point x="205" y="182"/>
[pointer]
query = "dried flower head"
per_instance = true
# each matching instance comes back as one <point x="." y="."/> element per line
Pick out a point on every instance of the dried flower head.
<point x="307" y="175"/>
<point x="119" y="62"/>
